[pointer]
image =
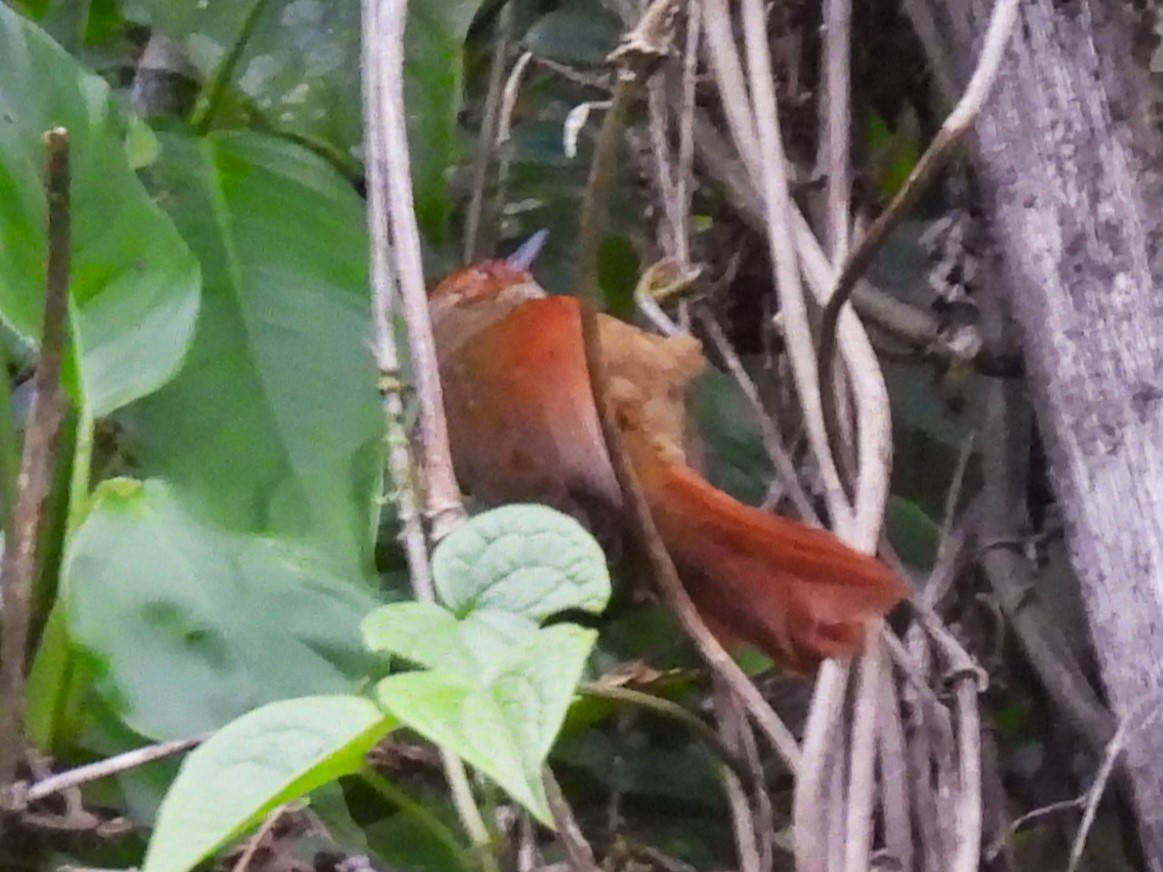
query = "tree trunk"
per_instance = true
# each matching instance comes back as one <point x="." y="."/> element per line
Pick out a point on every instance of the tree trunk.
<point x="1069" y="156"/>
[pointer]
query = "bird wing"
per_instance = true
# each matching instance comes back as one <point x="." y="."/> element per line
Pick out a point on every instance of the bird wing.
<point x="521" y="415"/>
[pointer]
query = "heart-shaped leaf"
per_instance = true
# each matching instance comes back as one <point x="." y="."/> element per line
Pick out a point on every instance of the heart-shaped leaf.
<point x="525" y="559"/>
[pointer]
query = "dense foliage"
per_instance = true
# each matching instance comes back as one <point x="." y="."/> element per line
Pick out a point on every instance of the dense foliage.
<point x="221" y="552"/>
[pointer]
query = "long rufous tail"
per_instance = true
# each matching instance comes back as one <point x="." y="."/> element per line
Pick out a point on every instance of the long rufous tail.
<point x="796" y="593"/>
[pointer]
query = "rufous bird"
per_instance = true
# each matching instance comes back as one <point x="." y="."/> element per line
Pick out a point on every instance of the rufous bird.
<point x="524" y="428"/>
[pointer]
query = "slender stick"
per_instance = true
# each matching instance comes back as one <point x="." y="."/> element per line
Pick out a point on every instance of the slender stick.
<point x="36" y="467"/>
<point x="390" y="194"/>
<point x="212" y="95"/>
<point x="109" y="767"/>
<point x="479" y="229"/>
<point x="442" y="503"/>
<point x="383" y="280"/>
<point x="777" y="452"/>
<point x="579" y="856"/>
<point x="837" y="78"/>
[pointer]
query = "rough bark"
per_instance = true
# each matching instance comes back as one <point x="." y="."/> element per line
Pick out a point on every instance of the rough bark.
<point x="1069" y="157"/>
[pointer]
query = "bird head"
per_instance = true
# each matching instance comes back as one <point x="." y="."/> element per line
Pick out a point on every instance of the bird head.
<point x="474" y="296"/>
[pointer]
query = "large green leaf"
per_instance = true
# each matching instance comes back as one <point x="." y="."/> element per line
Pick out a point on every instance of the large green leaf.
<point x="134" y="283"/>
<point x="300" y="67"/>
<point x="274" y="425"/>
<point x="190" y="625"/>
<point x="267" y="757"/>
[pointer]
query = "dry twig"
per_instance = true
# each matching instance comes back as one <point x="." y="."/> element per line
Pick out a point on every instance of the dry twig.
<point x="390" y="198"/>
<point x="389" y="171"/>
<point x="37" y="462"/>
<point x="481" y="225"/>
<point x="73" y="778"/>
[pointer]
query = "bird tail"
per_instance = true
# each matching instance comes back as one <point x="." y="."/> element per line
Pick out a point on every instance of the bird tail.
<point x="797" y="593"/>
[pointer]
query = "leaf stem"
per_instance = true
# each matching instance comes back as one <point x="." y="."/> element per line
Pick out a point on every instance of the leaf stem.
<point x="210" y="99"/>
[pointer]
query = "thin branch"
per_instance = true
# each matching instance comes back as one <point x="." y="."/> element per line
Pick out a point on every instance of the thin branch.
<point x="1150" y="708"/>
<point x="776" y="197"/>
<point x="107" y="768"/>
<point x="920" y="13"/>
<point x="920" y="754"/>
<point x="862" y="765"/>
<point x="480" y="228"/>
<point x="837" y="90"/>
<point x="658" y="128"/>
<point x="509" y="98"/>
<point x="390" y="194"/>
<point x="1051" y="808"/>
<point x="968" y="815"/>
<point x="579" y="855"/>
<point x="1004" y="449"/>
<point x="270" y="821"/>
<point x="684" y="172"/>
<point x="383" y="280"/>
<point x="442" y="502"/>
<point x="504" y="148"/>
<point x="732" y="726"/>
<point x="37" y="461"/>
<point x="953" y="495"/>
<point x="897" y="801"/>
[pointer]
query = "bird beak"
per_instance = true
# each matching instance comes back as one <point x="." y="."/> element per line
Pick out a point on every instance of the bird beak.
<point x="527" y="252"/>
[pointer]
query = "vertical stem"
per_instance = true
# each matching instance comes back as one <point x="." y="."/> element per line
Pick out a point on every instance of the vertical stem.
<point x="36" y="466"/>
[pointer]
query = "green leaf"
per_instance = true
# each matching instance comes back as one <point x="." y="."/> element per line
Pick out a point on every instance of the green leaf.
<point x="525" y="559"/>
<point x="491" y="636"/>
<point x="506" y="727"/>
<point x="265" y="758"/>
<point x="423" y="633"/>
<point x="274" y="425"/>
<point x="133" y="282"/>
<point x="192" y="625"/>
